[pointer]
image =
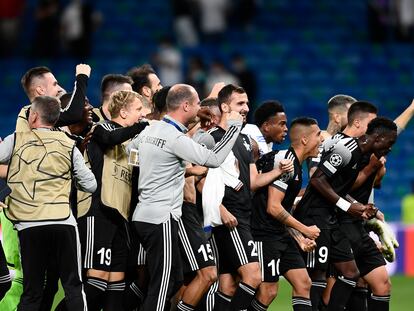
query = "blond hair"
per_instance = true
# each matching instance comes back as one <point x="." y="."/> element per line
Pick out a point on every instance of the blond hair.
<point x="121" y="100"/>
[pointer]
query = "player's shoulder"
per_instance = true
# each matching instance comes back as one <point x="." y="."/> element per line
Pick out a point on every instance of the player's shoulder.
<point x="106" y="126"/>
<point x="342" y="152"/>
<point x="216" y="132"/>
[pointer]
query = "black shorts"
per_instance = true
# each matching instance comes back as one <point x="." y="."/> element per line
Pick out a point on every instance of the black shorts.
<point x="104" y="243"/>
<point x="278" y="257"/>
<point x="332" y="246"/>
<point x="366" y="253"/>
<point x="137" y="255"/>
<point x="195" y="248"/>
<point x="235" y="247"/>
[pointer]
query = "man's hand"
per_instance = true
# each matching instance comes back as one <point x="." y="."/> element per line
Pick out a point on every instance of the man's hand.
<point x="205" y="116"/>
<point x="370" y="212"/>
<point x="286" y="166"/>
<point x="307" y="245"/>
<point x="233" y="116"/>
<point x="376" y="163"/>
<point x="312" y="232"/>
<point x="83" y="69"/>
<point x="227" y="218"/>
<point x="2" y="206"/>
<point x="85" y="142"/>
<point x="357" y="210"/>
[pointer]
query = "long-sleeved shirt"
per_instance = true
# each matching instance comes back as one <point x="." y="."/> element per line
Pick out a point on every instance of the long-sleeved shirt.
<point x="163" y="149"/>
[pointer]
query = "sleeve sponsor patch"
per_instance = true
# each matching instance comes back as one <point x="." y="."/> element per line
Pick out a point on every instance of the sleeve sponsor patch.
<point x="280" y="184"/>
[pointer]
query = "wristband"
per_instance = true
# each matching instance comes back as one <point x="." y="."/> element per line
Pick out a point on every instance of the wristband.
<point x="343" y="204"/>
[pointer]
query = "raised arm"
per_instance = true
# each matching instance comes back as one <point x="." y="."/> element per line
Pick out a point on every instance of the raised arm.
<point x="405" y="117"/>
<point x="72" y="113"/>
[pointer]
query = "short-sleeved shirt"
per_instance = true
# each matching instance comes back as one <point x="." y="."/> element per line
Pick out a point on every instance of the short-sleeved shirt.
<point x="341" y="164"/>
<point x="238" y="203"/>
<point x="264" y="226"/>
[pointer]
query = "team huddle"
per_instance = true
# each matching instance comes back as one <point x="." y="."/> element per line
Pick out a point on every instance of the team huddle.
<point x="157" y="200"/>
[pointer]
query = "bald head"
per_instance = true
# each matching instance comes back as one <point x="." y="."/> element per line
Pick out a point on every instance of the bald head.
<point x="179" y="94"/>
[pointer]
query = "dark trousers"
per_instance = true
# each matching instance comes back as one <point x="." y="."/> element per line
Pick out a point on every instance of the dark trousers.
<point x="44" y="244"/>
<point x="164" y="262"/>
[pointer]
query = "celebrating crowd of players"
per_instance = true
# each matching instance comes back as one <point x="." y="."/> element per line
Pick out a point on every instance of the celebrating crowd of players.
<point x="157" y="200"/>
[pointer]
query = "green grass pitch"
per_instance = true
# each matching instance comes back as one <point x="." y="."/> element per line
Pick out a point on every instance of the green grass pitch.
<point x="402" y="291"/>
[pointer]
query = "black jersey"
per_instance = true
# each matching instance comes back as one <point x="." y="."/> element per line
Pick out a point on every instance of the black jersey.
<point x="341" y="164"/>
<point x="361" y="194"/>
<point x="238" y="202"/>
<point x="264" y="226"/>
<point x="324" y="147"/>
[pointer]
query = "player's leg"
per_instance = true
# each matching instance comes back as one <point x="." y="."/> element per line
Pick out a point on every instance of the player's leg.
<point x="317" y="264"/>
<point x="292" y="266"/>
<point x="380" y="284"/>
<point x="301" y="285"/>
<point x="330" y="282"/>
<point x="164" y="262"/>
<point x="68" y="256"/>
<point x="199" y="285"/>
<point x="96" y="234"/>
<point x="116" y="282"/>
<point x="137" y="288"/>
<point x="269" y="258"/>
<point x="197" y="257"/>
<point x="34" y="248"/>
<point x="359" y="296"/>
<point x="343" y="260"/>
<point x="249" y="269"/>
<point x="227" y="285"/>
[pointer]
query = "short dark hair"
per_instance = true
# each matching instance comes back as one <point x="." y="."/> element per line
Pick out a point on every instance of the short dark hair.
<point x="160" y="99"/>
<point x="304" y="121"/>
<point x="340" y="101"/>
<point x="226" y="92"/>
<point x="381" y="125"/>
<point x="267" y="110"/>
<point x="48" y="108"/>
<point x="139" y="76"/>
<point x="209" y="102"/>
<point x="360" y="107"/>
<point x="32" y="73"/>
<point x="110" y="80"/>
<point x="177" y="94"/>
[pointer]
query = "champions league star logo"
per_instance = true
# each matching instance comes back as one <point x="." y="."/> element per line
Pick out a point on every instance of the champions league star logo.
<point x="29" y="159"/>
<point x="335" y="159"/>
